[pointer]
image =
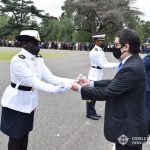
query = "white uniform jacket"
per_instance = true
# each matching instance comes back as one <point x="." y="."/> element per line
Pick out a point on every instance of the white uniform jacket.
<point x="29" y="70"/>
<point x="98" y="59"/>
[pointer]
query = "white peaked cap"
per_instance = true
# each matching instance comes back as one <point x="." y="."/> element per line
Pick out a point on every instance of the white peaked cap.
<point x="33" y="33"/>
<point x="147" y="43"/>
<point x="28" y="35"/>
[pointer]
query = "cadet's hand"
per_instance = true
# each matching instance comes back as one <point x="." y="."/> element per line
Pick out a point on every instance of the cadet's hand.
<point x="58" y="89"/>
<point x="67" y="84"/>
<point x="75" y="86"/>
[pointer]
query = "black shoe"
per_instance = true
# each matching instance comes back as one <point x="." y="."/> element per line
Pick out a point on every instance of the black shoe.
<point x="92" y="117"/>
<point x="98" y="115"/>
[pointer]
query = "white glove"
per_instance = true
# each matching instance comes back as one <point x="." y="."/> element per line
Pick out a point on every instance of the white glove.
<point x="67" y="84"/>
<point x="58" y="89"/>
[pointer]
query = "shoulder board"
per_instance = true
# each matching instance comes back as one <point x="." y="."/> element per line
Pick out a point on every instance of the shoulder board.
<point x="96" y="49"/>
<point x="21" y="56"/>
<point x="39" y="55"/>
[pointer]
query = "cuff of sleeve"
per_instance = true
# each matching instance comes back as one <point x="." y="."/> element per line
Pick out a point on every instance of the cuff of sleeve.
<point x="91" y="83"/>
<point x="79" y="88"/>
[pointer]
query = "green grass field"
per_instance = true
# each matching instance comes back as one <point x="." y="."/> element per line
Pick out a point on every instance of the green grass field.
<point x="5" y="56"/>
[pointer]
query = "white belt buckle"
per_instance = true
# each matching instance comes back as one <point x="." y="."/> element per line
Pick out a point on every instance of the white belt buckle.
<point x="17" y="85"/>
<point x="32" y="89"/>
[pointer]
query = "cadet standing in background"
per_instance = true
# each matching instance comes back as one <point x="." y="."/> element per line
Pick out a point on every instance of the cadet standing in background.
<point x="98" y="63"/>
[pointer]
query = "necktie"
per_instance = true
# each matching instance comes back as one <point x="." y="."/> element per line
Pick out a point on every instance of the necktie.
<point x="120" y="65"/>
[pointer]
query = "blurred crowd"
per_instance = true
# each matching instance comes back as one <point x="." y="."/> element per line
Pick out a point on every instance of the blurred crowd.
<point x="78" y="46"/>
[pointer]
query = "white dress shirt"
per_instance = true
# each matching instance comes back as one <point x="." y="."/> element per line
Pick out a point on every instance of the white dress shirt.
<point x="32" y="72"/>
<point x="97" y="58"/>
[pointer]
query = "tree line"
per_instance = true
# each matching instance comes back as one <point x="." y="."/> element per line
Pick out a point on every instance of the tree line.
<point x="79" y="21"/>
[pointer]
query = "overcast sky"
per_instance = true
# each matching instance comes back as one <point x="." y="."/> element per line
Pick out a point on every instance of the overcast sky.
<point x="53" y="7"/>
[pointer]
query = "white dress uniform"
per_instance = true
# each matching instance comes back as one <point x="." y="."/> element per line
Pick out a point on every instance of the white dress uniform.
<point x="98" y="62"/>
<point x="28" y="70"/>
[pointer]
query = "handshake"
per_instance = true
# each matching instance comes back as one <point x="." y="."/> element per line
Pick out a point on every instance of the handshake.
<point x="79" y="82"/>
<point x="74" y="84"/>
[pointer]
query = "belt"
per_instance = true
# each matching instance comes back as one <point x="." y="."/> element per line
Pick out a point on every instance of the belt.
<point x="21" y="87"/>
<point x="97" y="67"/>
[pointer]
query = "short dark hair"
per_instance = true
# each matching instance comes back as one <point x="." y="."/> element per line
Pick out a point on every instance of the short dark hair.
<point x="129" y="36"/>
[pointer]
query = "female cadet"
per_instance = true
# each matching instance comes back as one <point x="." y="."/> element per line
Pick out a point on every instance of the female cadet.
<point x="27" y="70"/>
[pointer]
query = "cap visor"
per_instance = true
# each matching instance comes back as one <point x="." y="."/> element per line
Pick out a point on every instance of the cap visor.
<point x="26" y="38"/>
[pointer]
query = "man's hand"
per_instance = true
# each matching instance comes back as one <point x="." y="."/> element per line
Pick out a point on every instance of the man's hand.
<point x="84" y="82"/>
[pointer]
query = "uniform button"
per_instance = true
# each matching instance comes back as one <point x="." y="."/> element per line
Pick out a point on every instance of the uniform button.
<point x="33" y="59"/>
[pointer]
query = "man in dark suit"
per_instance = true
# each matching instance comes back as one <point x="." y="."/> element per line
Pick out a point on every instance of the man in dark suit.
<point x="125" y="117"/>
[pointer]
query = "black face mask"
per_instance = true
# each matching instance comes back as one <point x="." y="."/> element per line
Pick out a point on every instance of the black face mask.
<point x="102" y="46"/>
<point x="33" y="48"/>
<point x="117" y="52"/>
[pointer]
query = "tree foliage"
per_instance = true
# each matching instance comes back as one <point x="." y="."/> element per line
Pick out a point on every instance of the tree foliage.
<point x="80" y="20"/>
<point x="95" y="15"/>
<point x="57" y="29"/>
<point x="22" y="14"/>
<point x="4" y="20"/>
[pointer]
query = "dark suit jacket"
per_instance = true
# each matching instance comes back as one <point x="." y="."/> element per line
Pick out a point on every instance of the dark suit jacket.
<point x="125" y="106"/>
